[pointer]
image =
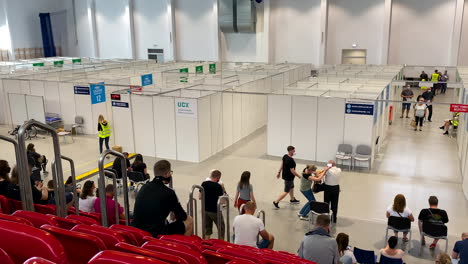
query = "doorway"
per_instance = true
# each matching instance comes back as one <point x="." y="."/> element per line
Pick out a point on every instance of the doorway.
<point x="353" y="56"/>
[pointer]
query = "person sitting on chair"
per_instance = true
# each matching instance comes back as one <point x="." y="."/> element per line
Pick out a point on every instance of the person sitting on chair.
<point x="451" y="122"/>
<point x="118" y="167"/>
<point x="390" y="251"/>
<point x="37" y="160"/>
<point x="110" y="204"/>
<point x="399" y="209"/>
<point x="432" y="215"/>
<point x="139" y="166"/>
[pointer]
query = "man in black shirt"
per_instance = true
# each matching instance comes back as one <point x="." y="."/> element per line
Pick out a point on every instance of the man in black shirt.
<point x="428" y="96"/>
<point x="288" y="172"/>
<point x="432" y="215"/>
<point x="423" y="76"/>
<point x="213" y="190"/>
<point x="156" y="201"/>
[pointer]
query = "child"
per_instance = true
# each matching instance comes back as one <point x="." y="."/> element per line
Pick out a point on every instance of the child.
<point x="244" y="191"/>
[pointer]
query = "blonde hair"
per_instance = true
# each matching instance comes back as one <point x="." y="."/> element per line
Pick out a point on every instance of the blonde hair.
<point x="100" y="118"/>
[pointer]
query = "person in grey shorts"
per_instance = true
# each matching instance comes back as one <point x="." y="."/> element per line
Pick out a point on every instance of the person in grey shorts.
<point x="213" y="191"/>
<point x="288" y="172"/>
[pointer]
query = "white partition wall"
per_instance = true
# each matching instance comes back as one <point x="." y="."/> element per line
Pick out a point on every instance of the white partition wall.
<point x="35" y="107"/>
<point x="204" y="128"/>
<point x="187" y="134"/>
<point x="143" y="124"/>
<point x="123" y="124"/>
<point x="67" y="103"/>
<point x="165" y="127"/>
<point x="18" y="108"/>
<point x="217" y="120"/>
<point x="358" y="128"/>
<point x="83" y="109"/>
<point x="304" y="126"/>
<point x="52" y="99"/>
<point x="279" y="124"/>
<point x="330" y="127"/>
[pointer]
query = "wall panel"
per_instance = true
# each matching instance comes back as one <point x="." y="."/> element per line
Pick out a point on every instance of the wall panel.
<point x="330" y="126"/>
<point x="143" y="124"/>
<point x="279" y="124"/>
<point x="165" y="127"/>
<point x="304" y="126"/>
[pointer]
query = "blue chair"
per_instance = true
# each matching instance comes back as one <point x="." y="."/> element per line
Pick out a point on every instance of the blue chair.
<point x="364" y="256"/>
<point x="385" y="260"/>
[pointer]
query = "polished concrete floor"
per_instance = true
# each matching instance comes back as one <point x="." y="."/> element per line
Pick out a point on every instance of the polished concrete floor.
<point x="416" y="164"/>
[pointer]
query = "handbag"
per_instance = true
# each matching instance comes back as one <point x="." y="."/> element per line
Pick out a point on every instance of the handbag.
<point x="318" y="187"/>
<point x="413" y="123"/>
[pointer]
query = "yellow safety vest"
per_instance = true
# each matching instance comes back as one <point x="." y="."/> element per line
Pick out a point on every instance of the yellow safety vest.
<point x="423" y="87"/>
<point x="105" y="131"/>
<point x="435" y="77"/>
<point x="455" y="119"/>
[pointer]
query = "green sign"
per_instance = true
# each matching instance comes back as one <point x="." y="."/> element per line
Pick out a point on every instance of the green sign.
<point x="184" y="79"/>
<point x="38" y="64"/>
<point x="213" y="68"/>
<point x="199" y="69"/>
<point x="58" y="63"/>
<point x="76" y="60"/>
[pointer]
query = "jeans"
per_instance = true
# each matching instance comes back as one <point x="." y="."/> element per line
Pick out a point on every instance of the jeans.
<point x="310" y="197"/>
<point x="101" y="140"/>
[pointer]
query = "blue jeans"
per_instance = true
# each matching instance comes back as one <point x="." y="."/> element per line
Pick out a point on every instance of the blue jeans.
<point x="310" y="197"/>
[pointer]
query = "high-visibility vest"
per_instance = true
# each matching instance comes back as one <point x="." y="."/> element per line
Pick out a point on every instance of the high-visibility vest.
<point x="455" y="119"/>
<point x="105" y="131"/>
<point x="435" y="77"/>
<point x="423" y="87"/>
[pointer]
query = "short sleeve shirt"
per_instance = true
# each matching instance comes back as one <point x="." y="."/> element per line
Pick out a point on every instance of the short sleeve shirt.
<point x="461" y="247"/>
<point x="407" y="92"/>
<point x="213" y="191"/>
<point x="244" y="192"/>
<point x="246" y="229"/>
<point x="435" y="216"/>
<point x="288" y="164"/>
<point x="420" y="109"/>
<point x="406" y="212"/>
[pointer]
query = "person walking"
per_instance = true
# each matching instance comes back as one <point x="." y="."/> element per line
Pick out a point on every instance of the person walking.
<point x="244" y="191"/>
<point x="331" y="190"/>
<point x="104" y="132"/>
<point x="428" y="96"/>
<point x="420" y="110"/>
<point x="406" y="95"/>
<point x="213" y="191"/>
<point x="288" y="172"/>
<point x="309" y="175"/>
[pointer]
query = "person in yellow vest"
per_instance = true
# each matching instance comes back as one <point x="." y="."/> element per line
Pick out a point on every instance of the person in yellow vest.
<point x="435" y="77"/>
<point x="423" y="87"/>
<point x="451" y="122"/>
<point x="103" y="132"/>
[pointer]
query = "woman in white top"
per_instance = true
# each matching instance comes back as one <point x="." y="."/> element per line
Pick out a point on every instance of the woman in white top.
<point x="342" y="240"/>
<point x="87" y="197"/>
<point x="399" y="209"/>
<point x="390" y="251"/>
<point x="420" y="110"/>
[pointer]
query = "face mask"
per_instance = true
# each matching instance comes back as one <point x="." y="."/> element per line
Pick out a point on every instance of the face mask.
<point x="163" y="179"/>
<point x="329" y="165"/>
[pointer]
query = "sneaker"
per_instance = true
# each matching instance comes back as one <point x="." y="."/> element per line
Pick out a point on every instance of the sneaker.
<point x="432" y="246"/>
<point x="295" y="201"/>
<point x="420" y="129"/>
<point x="429" y="120"/>
<point x="276" y="205"/>
<point x="445" y="133"/>
<point x="442" y="127"/>
<point x="304" y="218"/>
<point x="299" y="214"/>
<point x="415" y="129"/>
<point x="407" y="117"/>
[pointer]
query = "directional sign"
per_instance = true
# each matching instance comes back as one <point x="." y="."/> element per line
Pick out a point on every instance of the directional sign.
<point x="98" y="93"/>
<point x="359" y="109"/>
<point x="84" y="90"/>
<point x="146" y="79"/>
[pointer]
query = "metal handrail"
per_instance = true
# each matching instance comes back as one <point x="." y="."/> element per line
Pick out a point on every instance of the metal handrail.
<point x="192" y="208"/>
<point x="17" y="153"/>
<point x="114" y="180"/>
<point x="25" y="183"/>
<point x="262" y="213"/>
<point x="73" y="175"/>
<point x="241" y="208"/>
<point x="220" y="218"/>
<point x="102" y="186"/>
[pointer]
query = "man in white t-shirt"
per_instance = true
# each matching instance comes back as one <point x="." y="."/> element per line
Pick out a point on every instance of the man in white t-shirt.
<point x="247" y="227"/>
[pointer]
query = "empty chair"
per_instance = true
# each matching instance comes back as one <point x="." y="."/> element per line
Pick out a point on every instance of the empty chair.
<point x="171" y="259"/>
<point x="363" y="153"/>
<point x="16" y="237"/>
<point x="16" y="219"/>
<point x="434" y="231"/>
<point x="88" y="245"/>
<point x="5" y="258"/>
<point x="240" y="262"/>
<point x="113" y="257"/>
<point x="95" y="216"/>
<point x="4" y="205"/>
<point x="83" y="219"/>
<point x="137" y="233"/>
<point x="242" y="254"/>
<point x="36" y="219"/>
<point x="193" y="243"/>
<point x="79" y="121"/>
<point x="64" y="222"/>
<point x="109" y="236"/>
<point x="217" y="258"/>
<point x="128" y="237"/>
<point x="398" y="224"/>
<point x="345" y="152"/>
<point x="318" y="208"/>
<point x="164" y="243"/>
<point x="44" y="209"/>
<point x="364" y="256"/>
<point x="385" y="260"/>
<point x="36" y="260"/>
<point x="190" y="255"/>
<point x="14" y="205"/>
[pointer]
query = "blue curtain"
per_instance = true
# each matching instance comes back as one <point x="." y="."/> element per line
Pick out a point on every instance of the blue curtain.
<point x="47" y="36"/>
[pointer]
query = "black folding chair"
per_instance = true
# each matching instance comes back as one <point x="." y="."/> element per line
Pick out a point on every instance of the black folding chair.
<point x="398" y="224"/>
<point x="364" y="256"/>
<point x="318" y="208"/>
<point x="434" y="231"/>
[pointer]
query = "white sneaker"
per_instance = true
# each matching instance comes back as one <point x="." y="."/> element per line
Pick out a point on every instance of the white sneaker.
<point x="299" y="214"/>
<point x="304" y="218"/>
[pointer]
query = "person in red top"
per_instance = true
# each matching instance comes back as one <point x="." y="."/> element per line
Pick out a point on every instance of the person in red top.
<point x="111" y="204"/>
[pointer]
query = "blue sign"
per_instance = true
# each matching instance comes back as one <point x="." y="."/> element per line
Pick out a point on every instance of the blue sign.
<point x="98" y="93"/>
<point x="82" y="90"/>
<point x="146" y="79"/>
<point x="120" y="104"/>
<point x="359" y="109"/>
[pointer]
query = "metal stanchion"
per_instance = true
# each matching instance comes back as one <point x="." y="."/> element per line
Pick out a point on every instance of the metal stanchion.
<point x="192" y="208"/>
<point x="73" y="175"/>
<point x="241" y="208"/>
<point x="25" y="182"/>
<point x="261" y="213"/>
<point x="102" y="186"/>
<point x="220" y="218"/>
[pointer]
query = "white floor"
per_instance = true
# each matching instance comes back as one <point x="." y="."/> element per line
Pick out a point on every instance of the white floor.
<point x="416" y="164"/>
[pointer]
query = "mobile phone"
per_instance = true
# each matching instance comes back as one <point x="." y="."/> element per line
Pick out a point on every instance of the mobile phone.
<point x="329" y="165"/>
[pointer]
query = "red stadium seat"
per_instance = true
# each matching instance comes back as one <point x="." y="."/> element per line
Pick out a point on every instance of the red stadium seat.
<point x="171" y="259"/>
<point x="108" y="236"/>
<point x="22" y="242"/>
<point x="138" y="233"/>
<point x="14" y="205"/>
<point x="95" y="216"/>
<point x="64" y="222"/>
<point x="44" y="209"/>
<point x="217" y="258"/>
<point x="166" y="243"/>
<point x="16" y="219"/>
<point x="36" y="260"/>
<point x="83" y="219"/>
<point x="129" y="237"/>
<point x="192" y="242"/>
<point x="240" y="253"/>
<point x="240" y="262"/>
<point x="4" y="258"/>
<point x="4" y="205"/>
<point x="37" y="219"/>
<point x="79" y="247"/>
<point x="116" y="257"/>
<point x="190" y="255"/>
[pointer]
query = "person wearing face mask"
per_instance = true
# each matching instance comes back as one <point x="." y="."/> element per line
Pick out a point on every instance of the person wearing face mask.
<point x="213" y="191"/>
<point x="331" y="192"/>
<point x="318" y="246"/>
<point x="428" y="98"/>
<point x="420" y="110"/>
<point x="288" y="172"/>
<point x="155" y="201"/>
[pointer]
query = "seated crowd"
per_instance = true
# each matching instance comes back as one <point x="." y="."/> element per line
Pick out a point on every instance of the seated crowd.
<point x="158" y="211"/>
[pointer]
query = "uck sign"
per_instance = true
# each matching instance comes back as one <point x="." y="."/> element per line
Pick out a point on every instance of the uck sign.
<point x="186" y="107"/>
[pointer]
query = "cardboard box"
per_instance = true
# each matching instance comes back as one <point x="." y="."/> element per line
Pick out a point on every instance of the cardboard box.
<point x="117" y="148"/>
